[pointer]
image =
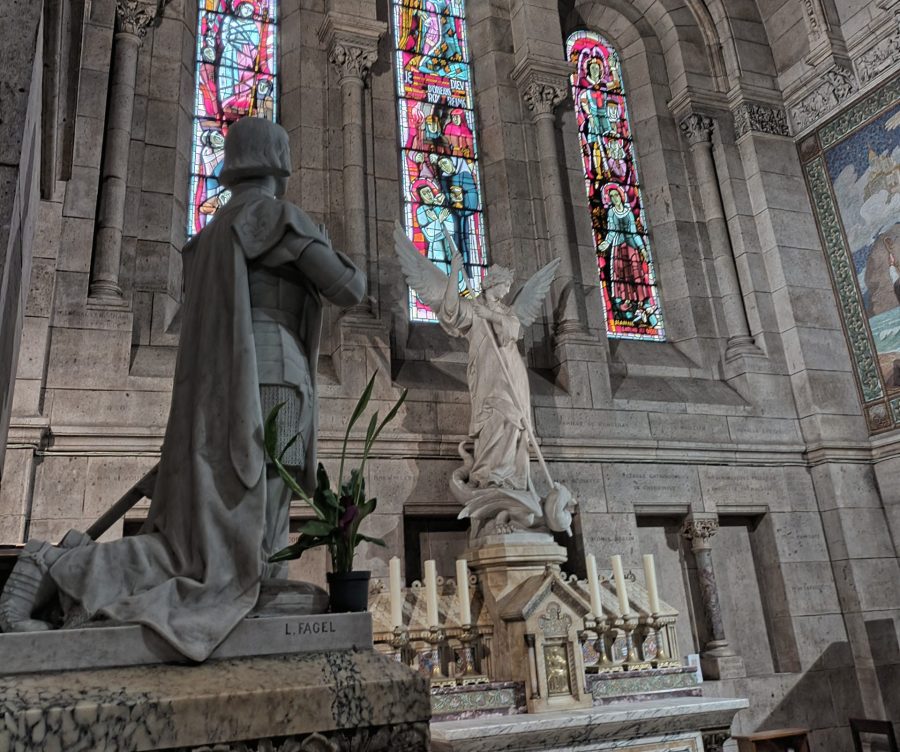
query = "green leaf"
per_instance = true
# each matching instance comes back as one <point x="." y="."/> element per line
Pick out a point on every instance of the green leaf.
<point x="370" y="539"/>
<point x="271" y="431"/>
<point x="357" y="411"/>
<point x="392" y="413"/>
<point x="288" y="445"/>
<point x="322" y="480"/>
<point x="295" y="550"/>
<point x="317" y="528"/>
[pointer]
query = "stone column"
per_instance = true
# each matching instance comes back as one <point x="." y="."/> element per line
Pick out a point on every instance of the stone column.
<point x="352" y="44"/>
<point x="133" y="18"/>
<point x="544" y="85"/>
<point x="717" y="659"/>
<point x="698" y="130"/>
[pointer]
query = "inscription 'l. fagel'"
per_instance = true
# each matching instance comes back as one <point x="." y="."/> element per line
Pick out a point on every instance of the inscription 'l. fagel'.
<point x="309" y="627"/>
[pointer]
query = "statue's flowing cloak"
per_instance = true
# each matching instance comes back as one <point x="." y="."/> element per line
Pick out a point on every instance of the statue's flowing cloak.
<point x="194" y="572"/>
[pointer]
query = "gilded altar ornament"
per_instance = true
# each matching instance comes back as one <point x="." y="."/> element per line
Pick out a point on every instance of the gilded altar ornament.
<point x="556" y="662"/>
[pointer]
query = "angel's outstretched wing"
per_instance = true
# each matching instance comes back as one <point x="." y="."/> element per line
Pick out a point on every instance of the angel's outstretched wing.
<point x="527" y="302"/>
<point x="429" y="282"/>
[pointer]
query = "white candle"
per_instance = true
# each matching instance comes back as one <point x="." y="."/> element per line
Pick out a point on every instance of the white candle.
<point x="462" y="589"/>
<point x="650" y="579"/>
<point x="396" y="594"/>
<point x="594" y="586"/>
<point x="619" y="577"/>
<point x="431" y="597"/>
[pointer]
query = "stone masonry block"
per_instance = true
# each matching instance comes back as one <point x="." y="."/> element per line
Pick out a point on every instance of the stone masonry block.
<point x="857" y="533"/>
<point x="88" y="359"/>
<point x="108" y="478"/>
<point x="59" y="487"/>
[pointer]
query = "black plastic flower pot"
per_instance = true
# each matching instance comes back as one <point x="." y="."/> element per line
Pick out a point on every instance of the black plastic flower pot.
<point x="349" y="591"/>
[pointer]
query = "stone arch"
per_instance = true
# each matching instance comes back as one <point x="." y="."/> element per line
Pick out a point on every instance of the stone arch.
<point x="680" y="36"/>
<point x="748" y="59"/>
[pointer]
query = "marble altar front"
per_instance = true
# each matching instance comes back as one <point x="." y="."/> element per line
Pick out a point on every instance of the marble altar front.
<point x="671" y="725"/>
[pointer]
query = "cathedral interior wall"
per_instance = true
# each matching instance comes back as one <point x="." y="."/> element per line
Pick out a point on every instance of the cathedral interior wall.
<point x="773" y="444"/>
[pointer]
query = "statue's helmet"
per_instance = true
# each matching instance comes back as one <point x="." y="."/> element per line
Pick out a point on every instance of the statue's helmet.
<point x="255" y="147"/>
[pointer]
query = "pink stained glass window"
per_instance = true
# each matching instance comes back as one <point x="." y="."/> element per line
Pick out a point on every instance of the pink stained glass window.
<point x="621" y="238"/>
<point x="440" y="175"/>
<point x="237" y="45"/>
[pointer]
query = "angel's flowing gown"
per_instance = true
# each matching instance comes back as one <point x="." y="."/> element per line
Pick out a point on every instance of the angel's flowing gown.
<point x="500" y="398"/>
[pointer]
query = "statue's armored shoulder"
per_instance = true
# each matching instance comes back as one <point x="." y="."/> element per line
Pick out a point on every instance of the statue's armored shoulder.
<point x="261" y="225"/>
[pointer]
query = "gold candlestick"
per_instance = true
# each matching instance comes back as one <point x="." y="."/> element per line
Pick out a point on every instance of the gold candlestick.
<point x="662" y="660"/>
<point x="435" y="639"/>
<point x="400" y="644"/>
<point x="469" y="674"/>
<point x="632" y="661"/>
<point x="606" y="640"/>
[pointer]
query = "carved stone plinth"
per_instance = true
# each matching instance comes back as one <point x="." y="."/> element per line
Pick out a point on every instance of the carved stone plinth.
<point x="503" y="562"/>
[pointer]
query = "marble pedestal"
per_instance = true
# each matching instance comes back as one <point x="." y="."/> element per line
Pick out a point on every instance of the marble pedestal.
<point x="654" y="726"/>
<point x="503" y="562"/>
<point x="342" y="701"/>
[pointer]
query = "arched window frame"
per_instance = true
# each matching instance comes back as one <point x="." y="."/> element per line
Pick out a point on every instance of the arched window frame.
<point x="620" y="229"/>
<point x="435" y="106"/>
<point x="240" y="38"/>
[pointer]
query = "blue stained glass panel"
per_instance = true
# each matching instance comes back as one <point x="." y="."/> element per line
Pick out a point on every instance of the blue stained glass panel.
<point x="441" y="181"/>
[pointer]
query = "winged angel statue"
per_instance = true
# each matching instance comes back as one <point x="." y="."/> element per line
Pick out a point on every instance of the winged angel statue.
<point x="494" y="484"/>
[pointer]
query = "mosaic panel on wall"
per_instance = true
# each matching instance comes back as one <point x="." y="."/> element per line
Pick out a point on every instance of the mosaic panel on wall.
<point x="852" y="167"/>
<point x="630" y="294"/>
<point x="237" y="47"/>
<point x="441" y="181"/>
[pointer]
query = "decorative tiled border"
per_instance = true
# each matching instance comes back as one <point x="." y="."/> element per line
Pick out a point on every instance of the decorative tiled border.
<point x="859" y="114"/>
<point x="844" y="280"/>
<point x="881" y="414"/>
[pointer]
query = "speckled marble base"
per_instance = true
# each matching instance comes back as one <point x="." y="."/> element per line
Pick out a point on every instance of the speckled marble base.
<point x="636" y="686"/>
<point x="655" y="726"/>
<point x="352" y="700"/>
<point x="495" y="698"/>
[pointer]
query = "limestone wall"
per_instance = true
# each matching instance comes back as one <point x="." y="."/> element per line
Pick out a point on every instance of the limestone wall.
<point x="773" y="445"/>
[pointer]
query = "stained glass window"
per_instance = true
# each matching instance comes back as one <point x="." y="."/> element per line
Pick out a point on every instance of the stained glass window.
<point x="441" y="182"/>
<point x="619" y="222"/>
<point x="236" y="76"/>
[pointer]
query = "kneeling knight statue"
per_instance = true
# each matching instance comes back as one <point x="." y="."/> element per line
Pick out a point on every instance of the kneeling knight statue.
<point x="251" y="318"/>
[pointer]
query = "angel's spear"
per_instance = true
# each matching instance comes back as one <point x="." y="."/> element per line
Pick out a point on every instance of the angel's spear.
<point x="557" y="489"/>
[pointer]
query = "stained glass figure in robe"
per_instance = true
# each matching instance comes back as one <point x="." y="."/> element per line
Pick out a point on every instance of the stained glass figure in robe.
<point x="441" y="181"/>
<point x="630" y="294"/>
<point x="236" y="77"/>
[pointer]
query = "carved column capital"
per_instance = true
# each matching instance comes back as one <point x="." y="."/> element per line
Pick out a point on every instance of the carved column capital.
<point x="697" y="128"/>
<point x="136" y="16"/>
<point x="699" y="530"/>
<point x="352" y="43"/>
<point x="761" y="118"/>
<point x="543" y="84"/>
<point x="352" y="61"/>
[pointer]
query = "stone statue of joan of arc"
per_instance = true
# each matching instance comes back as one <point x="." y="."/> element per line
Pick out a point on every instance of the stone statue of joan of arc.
<point x="255" y="277"/>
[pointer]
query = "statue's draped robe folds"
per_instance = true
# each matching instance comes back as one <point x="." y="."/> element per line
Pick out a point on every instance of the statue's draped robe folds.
<point x="498" y="392"/>
<point x="195" y="570"/>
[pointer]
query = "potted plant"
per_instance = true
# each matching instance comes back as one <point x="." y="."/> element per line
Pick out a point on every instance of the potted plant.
<point x="339" y="511"/>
